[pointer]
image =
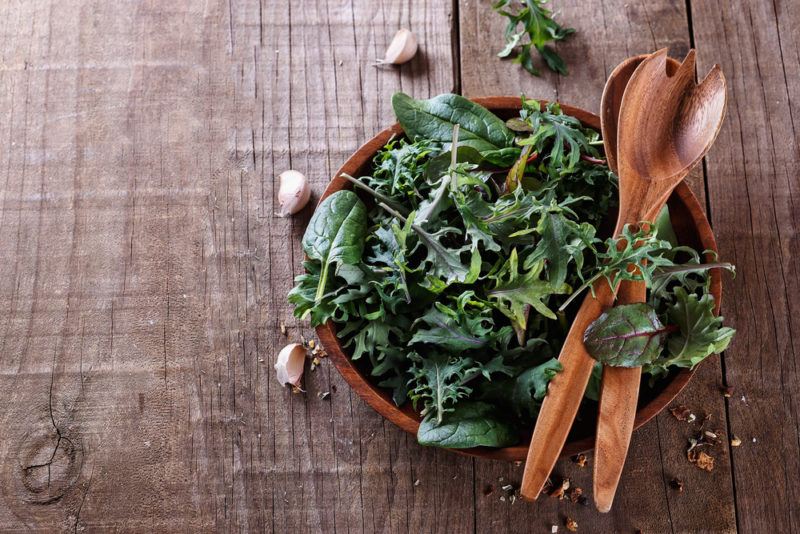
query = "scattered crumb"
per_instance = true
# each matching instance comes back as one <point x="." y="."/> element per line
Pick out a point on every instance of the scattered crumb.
<point x="283" y="328"/>
<point x="560" y="491"/>
<point x="580" y="459"/>
<point x="701" y="460"/>
<point x="416" y="483"/>
<point x="744" y="399"/>
<point x="508" y="488"/>
<point x="711" y="437"/>
<point x="735" y="441"/>
<point x="315" y="363"/>
<point x="312" y="344"/>
<point x="676" y="484"/>
<point x="571" y="524"/>
<point x="682" y="413"/>
<point x="553" y="529"/>
<point x="324" y="395"/>
<point x="754" y="440"/>
<point x="518" y="463"/>
<point x="727" y="392"/>
<point x="488" y="489"/>
<point x="575" y="494"/>
<point x="503" y="498"/>
<point x="512" y="498"/>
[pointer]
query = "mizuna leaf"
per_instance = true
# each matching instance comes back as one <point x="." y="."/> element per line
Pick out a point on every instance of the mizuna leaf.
<point x="629" y="335"/>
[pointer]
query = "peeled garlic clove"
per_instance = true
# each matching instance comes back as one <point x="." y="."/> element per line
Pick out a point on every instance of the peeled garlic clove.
<point x="289" y="367"/>
<point x="293" y="192"/>
<point x="401" y="49"/>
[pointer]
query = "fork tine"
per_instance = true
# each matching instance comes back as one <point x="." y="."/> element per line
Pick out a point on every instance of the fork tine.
<point x="687" y="65"/>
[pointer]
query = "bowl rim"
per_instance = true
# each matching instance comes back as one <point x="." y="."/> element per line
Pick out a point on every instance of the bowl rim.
<point x="405" y="417"/>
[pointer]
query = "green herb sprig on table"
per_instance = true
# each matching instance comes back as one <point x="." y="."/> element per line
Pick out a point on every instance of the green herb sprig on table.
<point x="450" y="271"/>
<point x="537" y="24"/>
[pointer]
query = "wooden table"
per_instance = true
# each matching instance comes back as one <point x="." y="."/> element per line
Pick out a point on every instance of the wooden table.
<point x="143" y="273"/>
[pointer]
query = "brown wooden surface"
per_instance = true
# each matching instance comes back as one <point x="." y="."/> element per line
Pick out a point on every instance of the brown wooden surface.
<point x="143" y="273"/>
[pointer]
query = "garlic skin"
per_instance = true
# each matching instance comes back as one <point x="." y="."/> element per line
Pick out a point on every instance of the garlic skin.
<point x="293" y="192"/>
<point x="402" y="48"/>
<point x="289" y="367"/>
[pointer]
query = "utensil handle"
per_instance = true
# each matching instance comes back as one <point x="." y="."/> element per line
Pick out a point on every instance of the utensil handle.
<point x="619" y="395"/>
<point x="564" y="396"/>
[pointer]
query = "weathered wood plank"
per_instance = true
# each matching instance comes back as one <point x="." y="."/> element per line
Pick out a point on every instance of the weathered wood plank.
<point x="753" y="187"/>
<point x="145" y="275"/>
<point x="607" y="33"/>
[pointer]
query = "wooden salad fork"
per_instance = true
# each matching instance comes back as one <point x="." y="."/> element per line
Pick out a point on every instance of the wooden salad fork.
<point x="666" y="125"/>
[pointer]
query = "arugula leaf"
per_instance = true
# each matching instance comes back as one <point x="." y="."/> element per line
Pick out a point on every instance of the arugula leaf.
<point x="552" y="133"/>
<point x="563" y="241"/>
<point x="469" y="326"/>
<point x="472" y="424"/>
<point x="335" y="234"/>
<point x="537" y="23"/>
<point x="627" y="335"/>
<point x="434" y="119"/>
<point x="701" y="333"/>
<point x="516" y="292"/>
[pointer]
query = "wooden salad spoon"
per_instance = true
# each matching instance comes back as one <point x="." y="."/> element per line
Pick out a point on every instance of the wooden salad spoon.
<point x="619" y="392"/>
<point x="669" y="119"/>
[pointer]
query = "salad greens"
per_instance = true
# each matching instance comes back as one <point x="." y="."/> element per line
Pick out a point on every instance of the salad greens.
<point x="449" y="276"/>
<point x="538" y="24"/>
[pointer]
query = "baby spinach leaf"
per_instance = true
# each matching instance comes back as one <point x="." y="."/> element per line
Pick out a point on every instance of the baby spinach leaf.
<point x="628" y="335"/>
<point x="335" y="234"/>
<point x="471" y="424"/>
<point x="434" y="119"/>
<point x="701" y="333"/>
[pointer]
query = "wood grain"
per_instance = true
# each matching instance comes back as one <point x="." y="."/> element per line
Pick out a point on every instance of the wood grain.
<point x="144" y="273"/>
<point x="753" y="191"/>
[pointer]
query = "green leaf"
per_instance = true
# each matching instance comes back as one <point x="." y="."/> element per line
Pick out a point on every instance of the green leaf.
<point x="472" y="424"/>
<point x="470" y="325"/>
<point x="434" y="119"/>
<point x="522" y="395"/>
<point x="516" y="292"/>
<point x="530" y="387"/>
<point x="701" y="333"/>
<point x="335" y="234"/>
<point x="448" y="330"/>
<point x="563" y="241"/>
<point x="628" y="335"/>
<point x="538" y="24"/>
<point x="440" y="381"/>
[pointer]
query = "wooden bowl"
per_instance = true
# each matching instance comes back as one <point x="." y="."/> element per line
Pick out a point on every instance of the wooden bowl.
<point x="691" y="227"/>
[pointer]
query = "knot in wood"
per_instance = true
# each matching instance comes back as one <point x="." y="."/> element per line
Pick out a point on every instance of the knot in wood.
<point x="49" y="464"/>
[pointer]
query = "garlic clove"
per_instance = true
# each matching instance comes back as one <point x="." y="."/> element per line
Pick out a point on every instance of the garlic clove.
<point x="402" y="48"/>
<point x="293" y="192"/>
<point x="290" y="364"/>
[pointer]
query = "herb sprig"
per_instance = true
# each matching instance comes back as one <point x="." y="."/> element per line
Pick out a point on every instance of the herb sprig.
<point x="538" y="25"/>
